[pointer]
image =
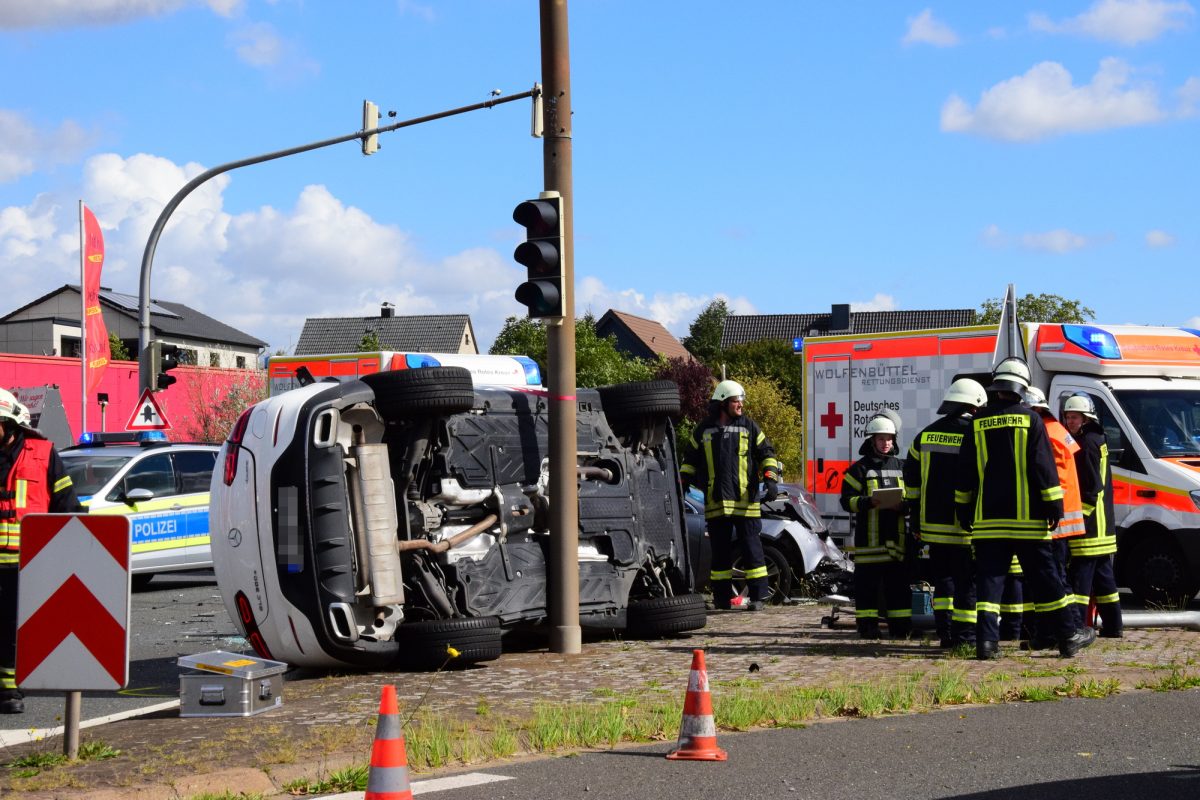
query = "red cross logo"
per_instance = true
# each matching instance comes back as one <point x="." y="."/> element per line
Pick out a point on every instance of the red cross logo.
<point x="831" y="420"/>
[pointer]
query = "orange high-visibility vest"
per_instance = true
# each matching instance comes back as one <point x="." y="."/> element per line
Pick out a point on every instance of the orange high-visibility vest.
<point x="1065" y="447"/>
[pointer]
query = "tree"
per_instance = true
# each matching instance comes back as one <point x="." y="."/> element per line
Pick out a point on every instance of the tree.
<point x="1038" y="308"/>
<point x="695" y="382"/>
<point x="217" y="397"/>
<point x="598" y="362"/>
<point x="370" y="342"/>
<point x="769" y="358"/>
<point x="117" y="351"/>
<point x="767" y="404"/>
<point x="704" y="334"/>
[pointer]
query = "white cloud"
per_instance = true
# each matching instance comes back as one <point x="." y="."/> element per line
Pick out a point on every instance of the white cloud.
<point x="1194" y="322"/>
<point x="1058" y="241"/>
<point x="675" y="311"/>
<point x="1126" y="22"/>
<point x="1045" y="102"/>
<point x="1189" y="97"/>
<point x="260" y="45"/>
<point x="263" y="271"/>
<point x="421" y="11"/>
<point x="25" y="147"/>
<point x="924" y="29"/>
<point x="1159" y="238"/>
<point x="880" y="302"/>
<point x="71" y="13"/>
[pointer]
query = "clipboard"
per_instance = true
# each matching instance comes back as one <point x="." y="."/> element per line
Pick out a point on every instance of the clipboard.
<point x="889" y="499"/>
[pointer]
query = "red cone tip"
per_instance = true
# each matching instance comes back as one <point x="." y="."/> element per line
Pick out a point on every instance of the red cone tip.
<point x="697" y="659"/>
<point x="387" y="703"/>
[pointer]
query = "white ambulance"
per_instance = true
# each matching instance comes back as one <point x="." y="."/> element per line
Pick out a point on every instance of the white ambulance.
<point x="513" y="372"/>
<point x="1145" y="382"/>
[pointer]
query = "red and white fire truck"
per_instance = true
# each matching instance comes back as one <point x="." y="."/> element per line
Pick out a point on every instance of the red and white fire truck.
<point x="1145" y="382"/>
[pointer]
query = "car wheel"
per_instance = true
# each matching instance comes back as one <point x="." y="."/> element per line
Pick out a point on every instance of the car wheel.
<point x="656" y="617"/>
<point x="439" y="390"/>
<point x="140" y="581"/>
<point x="630" y="401"/>
<point x="424" y="645"/>
<point x="1159" y="574"/>
<point x="779" y="575"/>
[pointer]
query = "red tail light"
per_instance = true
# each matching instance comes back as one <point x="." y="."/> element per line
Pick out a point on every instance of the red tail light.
<point x="234" y="442"/>
<point x="246" y="614"/>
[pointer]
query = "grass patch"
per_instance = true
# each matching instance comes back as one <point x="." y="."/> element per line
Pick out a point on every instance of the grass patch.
<point x="1178" y="679"/>
<point x="228" y="796"/>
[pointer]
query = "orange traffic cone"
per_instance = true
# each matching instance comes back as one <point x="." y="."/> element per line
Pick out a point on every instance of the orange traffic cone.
<point x="388" y="778"/>
<point x="698" y="731"/>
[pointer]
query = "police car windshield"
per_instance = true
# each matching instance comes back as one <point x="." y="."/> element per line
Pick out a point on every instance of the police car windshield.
<point x="1168" y="421"/>
<point x="90" y="471"/>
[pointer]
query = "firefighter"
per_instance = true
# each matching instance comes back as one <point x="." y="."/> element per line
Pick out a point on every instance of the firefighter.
<point x="1091" y="565"/>
<point x="726" y="458"/>
<point x="929" y="478"/>
<point x="1065" y="447"/>
<point x="35" y="481"/>
<point x="880" y="571"/>
<point x="1009" y="497"/>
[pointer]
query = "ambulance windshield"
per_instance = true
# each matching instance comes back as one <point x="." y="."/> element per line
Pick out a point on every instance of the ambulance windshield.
<point x="1168" y="421"/>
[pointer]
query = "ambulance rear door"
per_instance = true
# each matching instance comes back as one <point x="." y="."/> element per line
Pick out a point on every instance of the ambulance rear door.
<point x="828" y="435"/>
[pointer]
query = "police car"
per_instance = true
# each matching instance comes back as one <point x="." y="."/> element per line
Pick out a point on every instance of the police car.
<point x="162" y="486"/>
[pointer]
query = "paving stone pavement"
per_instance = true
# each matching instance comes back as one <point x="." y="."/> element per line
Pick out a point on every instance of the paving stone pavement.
<point x="326" y="720"/>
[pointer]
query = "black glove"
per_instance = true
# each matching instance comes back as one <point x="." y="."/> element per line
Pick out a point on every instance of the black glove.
<point x="770" y="490"/>
<point x="1052" y="522"/>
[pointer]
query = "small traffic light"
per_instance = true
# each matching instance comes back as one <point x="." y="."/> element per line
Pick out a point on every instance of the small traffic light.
<point x="168" y="359"/>
<point x="370" y="143"/>
<point x="542" y="255"/>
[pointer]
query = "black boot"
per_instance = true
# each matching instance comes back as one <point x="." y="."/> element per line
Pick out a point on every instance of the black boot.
<point x="1082" y="638"/>
<point x="986" y="650"/>
<point x="868" y="628"/>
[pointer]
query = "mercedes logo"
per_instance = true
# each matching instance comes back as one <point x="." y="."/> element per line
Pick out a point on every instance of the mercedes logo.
<point x="235" y="537"/>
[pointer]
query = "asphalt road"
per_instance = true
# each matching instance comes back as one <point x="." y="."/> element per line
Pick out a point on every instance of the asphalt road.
<point x="1139" y="745"/>
<point x="179" y="614"/>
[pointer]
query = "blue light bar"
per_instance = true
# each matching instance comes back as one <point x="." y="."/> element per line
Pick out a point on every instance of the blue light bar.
<point x="152" y="436"/>
<point x="798" y="344"/>
<point x="1096" y="341"/>
<point x="414" y="360"/>
<point x="533" y="373"/>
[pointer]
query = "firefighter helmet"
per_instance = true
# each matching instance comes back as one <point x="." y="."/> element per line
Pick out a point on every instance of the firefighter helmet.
<point x="10" y="409"/>
<point x="728" y="390"/>
<point x="881" y="424"/>
<point x="1010" y="375"/>
<point x="1081" y="403"/>
<point x="963" y="392"/>
<point x="24" y="419"/>
<point x="1035" y="398"/>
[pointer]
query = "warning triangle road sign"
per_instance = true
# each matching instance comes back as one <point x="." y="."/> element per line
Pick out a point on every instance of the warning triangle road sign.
<point x="147" y="416"/>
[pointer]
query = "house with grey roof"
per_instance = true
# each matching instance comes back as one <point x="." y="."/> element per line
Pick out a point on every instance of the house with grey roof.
<point x="429" y="333"/>
<point x="49" y="325"/>
<point x="640" y="337"/>
<point x="792" y="328"/>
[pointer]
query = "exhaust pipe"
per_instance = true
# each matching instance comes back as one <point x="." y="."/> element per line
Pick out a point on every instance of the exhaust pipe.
<point x="374" y="509"/>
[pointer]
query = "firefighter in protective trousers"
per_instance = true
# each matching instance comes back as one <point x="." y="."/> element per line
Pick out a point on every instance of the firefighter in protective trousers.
<point x="726" y="458"/>
<point x="881" y="585"/>
<point x="35" y="482"/>
<point x="930" y="472"/>
<point x="1009" y="497"/>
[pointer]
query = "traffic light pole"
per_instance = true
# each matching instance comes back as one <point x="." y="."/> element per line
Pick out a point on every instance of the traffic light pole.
<point x="146" y="379"/>
<point x="565" y="634"/>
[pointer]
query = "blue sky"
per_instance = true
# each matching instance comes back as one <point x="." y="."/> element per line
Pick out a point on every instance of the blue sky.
<point x="784" y="156"/>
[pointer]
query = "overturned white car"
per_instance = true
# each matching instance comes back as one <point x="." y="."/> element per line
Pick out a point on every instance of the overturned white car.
<point x="375" y="522"/>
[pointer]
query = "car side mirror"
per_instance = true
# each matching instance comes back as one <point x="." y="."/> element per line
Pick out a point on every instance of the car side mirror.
<point x="138" y="496"/>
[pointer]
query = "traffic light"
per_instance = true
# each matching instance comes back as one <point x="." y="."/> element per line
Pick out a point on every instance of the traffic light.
<point x="370" y="122"/>
<point x="542" y="255"/>
<point x="160" y="358"/>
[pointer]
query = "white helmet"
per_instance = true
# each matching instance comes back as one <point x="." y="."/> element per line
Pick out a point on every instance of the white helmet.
<point x="9" y="407"/>
<point x="23" y="417"/>
<point x="963" y="392"/>
<point x="1034" y="398"/>
<point x="880" y="424"/>
<point x="1081" y="403"/>
<point x="1010" y="375"/>
<point x="728" y="390"/>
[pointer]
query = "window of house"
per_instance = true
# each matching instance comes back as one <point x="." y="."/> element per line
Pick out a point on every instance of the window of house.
<point x="241" y="362"/>
<point x="214" y="359"/>
<point x="187" y="356"/>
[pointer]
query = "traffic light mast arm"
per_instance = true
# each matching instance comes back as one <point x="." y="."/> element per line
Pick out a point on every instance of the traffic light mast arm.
<point x="204" y="177"/>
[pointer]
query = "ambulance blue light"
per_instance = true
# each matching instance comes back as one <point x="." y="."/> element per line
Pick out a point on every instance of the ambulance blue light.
<point x="414" y="360"/>
<point x="152" y="436"/>
<point x="533" y="373"/>
<point x="1096" y="341"/>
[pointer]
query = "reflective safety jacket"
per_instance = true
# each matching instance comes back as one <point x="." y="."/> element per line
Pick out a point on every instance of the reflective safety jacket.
<point x="930" y="472"/>
<point x="35" y="482"/>
<point x="1007" y="484"/>
<point x="726" y="462"/>
<point x="1065" y="447"/>
<point x="1096" y="492"/>
<point x="878" y="532"/>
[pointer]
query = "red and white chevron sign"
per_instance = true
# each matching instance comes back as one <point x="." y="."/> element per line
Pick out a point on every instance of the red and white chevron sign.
<point x="73" y="603"/>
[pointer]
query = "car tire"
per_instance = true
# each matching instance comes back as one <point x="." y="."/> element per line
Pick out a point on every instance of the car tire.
<point x="423" y="645"/>
<point x="625" y="402"/>
<point x="1158" y="574"/>
<point x="423" y="390"/>
<point x="656" y="617"/>
<point x="779" y="574"/>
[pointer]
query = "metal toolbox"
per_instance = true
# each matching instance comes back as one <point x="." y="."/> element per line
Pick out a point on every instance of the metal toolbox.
<point x="229" y="685"/>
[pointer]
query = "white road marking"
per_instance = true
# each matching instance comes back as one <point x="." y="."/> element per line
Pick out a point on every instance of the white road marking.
<point x="8" y="738"/>
<point x="433" y="785"/>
